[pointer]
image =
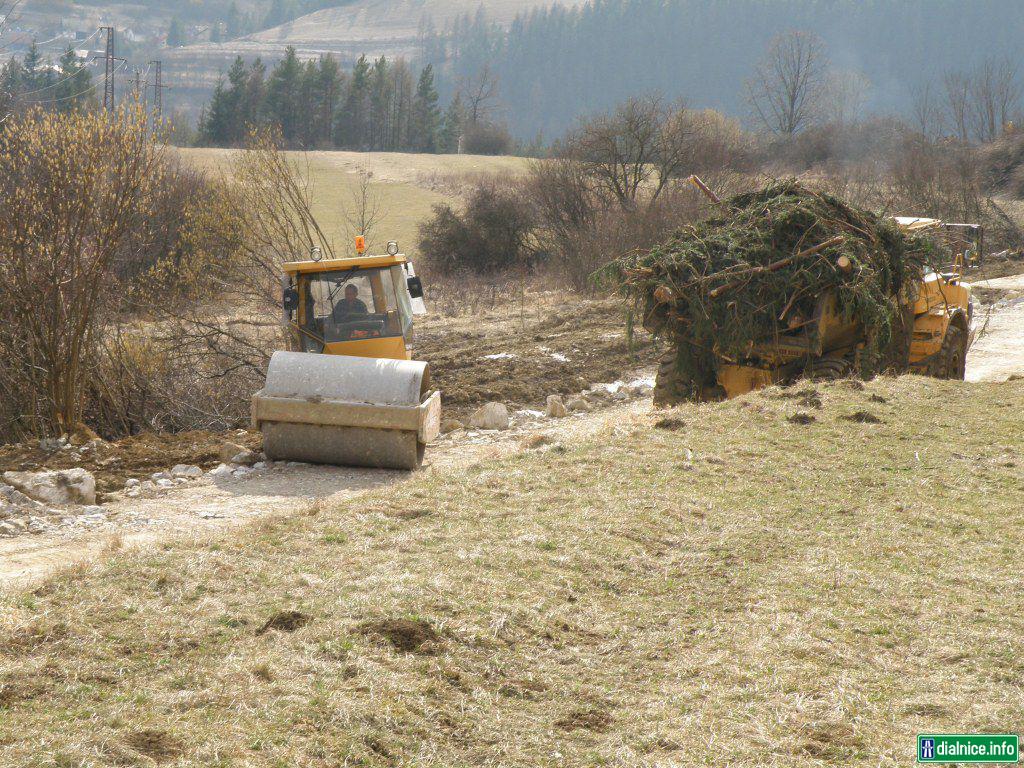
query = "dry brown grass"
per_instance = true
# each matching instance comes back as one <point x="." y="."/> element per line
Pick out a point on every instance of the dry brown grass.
<point x="730" y="588"/>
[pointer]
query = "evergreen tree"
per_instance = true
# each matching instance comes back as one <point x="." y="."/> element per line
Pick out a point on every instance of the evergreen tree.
<point x="380" y="92"/>
<point x="426" y="117"/>
<point x="283" y="103"/>
<point x="175" y="34"/>
<point x="234" y="26"/>
<point x="251" y="108"/>
<point x="75" y="88"/>
<point x="452" y="125"/>
<point x="330" y="81"/>
<point x="351" y="125"/>
<point x="33" y="74"/>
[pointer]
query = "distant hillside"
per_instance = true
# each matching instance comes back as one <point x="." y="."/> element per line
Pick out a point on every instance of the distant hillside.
<point x="377" y="22"/>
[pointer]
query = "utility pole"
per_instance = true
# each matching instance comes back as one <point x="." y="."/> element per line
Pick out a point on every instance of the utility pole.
<point x="110" y="64"/>
<point x="158" y="88"/>
<point x="137" y="84"/>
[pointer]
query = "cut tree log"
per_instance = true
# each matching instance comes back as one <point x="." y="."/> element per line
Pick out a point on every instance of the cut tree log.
<point x="775" y="266"/>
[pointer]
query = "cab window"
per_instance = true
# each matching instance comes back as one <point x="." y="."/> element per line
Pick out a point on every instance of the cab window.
<point x="350" y="305"/>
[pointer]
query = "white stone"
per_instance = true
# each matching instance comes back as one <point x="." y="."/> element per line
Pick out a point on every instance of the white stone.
<point x="164" y="482"/>
<point x="556" y="407"/>
<point x="188" y="471"/>
<point x="132" y="482"/>
<point x="578" y="404"/>
<point x="37" y="525"/>
<point x="491" y="416"/>
<point x="158" y="476"/>
<point x="13" y="527"/>
<point x="229" y="450"/>
<point x="259" y="465"/>
<point x="245" y="458"/>
<point x="60" y="488"/>
<point x="221" y="470"/>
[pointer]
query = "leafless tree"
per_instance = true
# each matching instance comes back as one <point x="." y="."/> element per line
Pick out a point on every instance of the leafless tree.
<point x="844" y="95"/>
<point x="366" y="210"/>
<point x="926" y="109"/>
<point x="638" y="148"/>
<point x="995" y="97"/>
<point x="480" y="94"/>
<point x="786" y="89"/>
<point x="957" y="90"/>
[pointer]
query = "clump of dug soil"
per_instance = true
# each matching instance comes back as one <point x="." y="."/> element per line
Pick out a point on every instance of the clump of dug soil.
<point x="596" y="720"/>
<point x="154" y="743"/>
<point x="863" y="417"/>
<point x="406" y="635"/>
<point x="284" y="621"/>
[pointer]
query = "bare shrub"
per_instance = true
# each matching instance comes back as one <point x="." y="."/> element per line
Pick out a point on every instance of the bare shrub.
<point x="74" y="189"/>
<point x="226" y="325"/>
<point x="617" y="182"/>
<point x="830" y="145"/>
<point x="491" y="235"/>
<point x="484" y="138"/>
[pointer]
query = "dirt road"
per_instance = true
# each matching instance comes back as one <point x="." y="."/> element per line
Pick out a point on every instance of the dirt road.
<point x="998" y="351"/>
<point x="209" y="505"/>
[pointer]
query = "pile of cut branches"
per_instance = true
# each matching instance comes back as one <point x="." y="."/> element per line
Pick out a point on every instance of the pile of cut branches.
<point x="757" y="269"/>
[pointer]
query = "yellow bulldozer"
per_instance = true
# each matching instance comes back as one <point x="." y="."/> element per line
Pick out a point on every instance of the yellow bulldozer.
<point x="939" y="311"/>
<point x="347" y="391"/>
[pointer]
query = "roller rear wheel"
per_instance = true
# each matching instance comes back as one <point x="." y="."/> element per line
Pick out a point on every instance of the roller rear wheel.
<point x="951" y="361"/>
<point x="829" y="368"/>
<point x="670" y="386"/>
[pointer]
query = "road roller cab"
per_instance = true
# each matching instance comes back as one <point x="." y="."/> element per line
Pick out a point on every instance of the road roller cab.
<point x="361" y="307"/>
<point x="347" y="391"/>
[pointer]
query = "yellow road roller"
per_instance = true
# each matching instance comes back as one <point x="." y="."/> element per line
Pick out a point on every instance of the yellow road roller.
<point x="347" y="391"/>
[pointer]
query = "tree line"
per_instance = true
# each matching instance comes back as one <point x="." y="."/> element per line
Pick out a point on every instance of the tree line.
<point x="556" y="63"/>
<point x="377" y="106"/>
<point x="35" y="81"/>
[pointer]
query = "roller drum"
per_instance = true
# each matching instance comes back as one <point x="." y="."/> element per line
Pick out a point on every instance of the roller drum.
<point x="349" y="411"/>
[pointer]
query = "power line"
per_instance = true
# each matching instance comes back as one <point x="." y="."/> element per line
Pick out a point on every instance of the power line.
<point x="59" y="82"/>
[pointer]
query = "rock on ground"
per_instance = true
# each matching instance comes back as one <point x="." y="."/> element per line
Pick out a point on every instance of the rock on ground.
<point x="451" y="425"/>
<point x="59" y="488"/>
<point x="491" y="416"/>
<point x="578" y="404"/>
<point x="556" y="407"/>
<point x="245" y="458"/>
<point x="228" y="451"/>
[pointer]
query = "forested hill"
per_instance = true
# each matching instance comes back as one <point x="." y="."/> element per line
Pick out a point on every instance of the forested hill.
<point x="555" y="64"/>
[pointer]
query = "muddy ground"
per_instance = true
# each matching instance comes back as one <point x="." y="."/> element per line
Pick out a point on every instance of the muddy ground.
<point x="138" y="456"/>
<point x="515" y="353"/>
<point x="520" y="359"/>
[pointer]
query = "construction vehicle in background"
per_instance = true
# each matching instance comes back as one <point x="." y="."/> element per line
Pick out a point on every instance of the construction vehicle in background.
<point x="939" y="312"/>
<point x="347" y="391"/>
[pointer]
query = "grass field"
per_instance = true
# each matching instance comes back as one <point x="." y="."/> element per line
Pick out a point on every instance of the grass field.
<point x="717" y="585"/>
<point x="406" y="186"/>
